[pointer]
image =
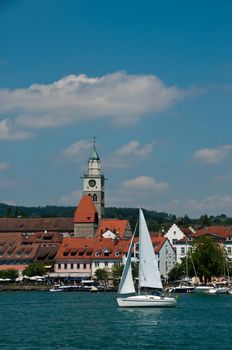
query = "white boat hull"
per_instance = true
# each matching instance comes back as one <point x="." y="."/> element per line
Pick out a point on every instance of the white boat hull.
<point x="202" y="289"/>
<point x="146" y="301"/>
<point x="181" y="289"/>
<point x="220" y="290"/>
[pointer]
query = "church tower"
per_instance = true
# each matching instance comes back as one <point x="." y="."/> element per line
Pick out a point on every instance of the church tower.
<point x="93" y="183"/>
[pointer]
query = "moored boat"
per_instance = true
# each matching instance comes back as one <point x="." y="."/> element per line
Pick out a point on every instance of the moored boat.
<point x="219" y="289"/>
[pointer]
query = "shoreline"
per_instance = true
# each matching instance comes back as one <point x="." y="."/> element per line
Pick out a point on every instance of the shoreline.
<point x="43" y="288"/>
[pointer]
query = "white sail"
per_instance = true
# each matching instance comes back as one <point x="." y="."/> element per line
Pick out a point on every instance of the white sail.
<point x="149" y="275"/>
<point x="126" y="285"/>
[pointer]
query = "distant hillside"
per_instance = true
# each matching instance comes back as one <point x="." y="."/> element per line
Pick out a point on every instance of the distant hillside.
<point x="156" y="220"/>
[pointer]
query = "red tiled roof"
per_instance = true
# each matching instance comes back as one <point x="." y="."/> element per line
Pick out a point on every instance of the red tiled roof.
<point x="114" y="225"/>
<point x="40" y="237"/>
<point x="186" y="231"/>
<point x="86" y="211"/>
<point x="157" y="241"/>
<point x="19" y="252"/>
<point x="10" y="236"/>
<point x="221" y="231"/>
<point x="90" y="246"/>
<point x="183" y="240"/>
<point x="36" y="224"/>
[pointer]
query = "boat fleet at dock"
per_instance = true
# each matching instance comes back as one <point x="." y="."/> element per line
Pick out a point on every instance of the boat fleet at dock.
<point x="216" y="288"/>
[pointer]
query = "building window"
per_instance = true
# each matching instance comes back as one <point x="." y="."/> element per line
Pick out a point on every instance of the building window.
<point x="96" y="264"/>
<point x="106" y="263"/>
<point x="71" y="266"/>
<point x="106" y="252"/>
<point x="59" y="266"/>
<point x="78" y="266"/>
<point x="229" y="250"/>
<point x="94" y="198"/>
<point x="65" y="266"/>
<point x="182" y="250"/>
<point x="84" y="266"/>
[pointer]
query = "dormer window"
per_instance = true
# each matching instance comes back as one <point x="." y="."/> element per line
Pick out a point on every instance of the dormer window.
<point x="106" y="252"/>
<point x="97" y="253"/>
<point x="117" y="253"/>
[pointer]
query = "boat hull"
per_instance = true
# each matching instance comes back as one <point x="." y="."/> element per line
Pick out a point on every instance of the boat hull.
<point x="146" y="301"/>
<point x="181" y="289"/>
<point x="202" y="289"/>
<point x="221" y="290"/>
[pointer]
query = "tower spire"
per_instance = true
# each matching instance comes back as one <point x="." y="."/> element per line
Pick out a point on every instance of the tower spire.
<point x="93" y="184"/>
<point x="93" y="154"/>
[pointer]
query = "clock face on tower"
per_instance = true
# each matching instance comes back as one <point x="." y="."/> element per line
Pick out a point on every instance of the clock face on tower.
<point x="92" y="183"/>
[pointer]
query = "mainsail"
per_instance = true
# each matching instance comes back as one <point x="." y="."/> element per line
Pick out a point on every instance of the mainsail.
<point x="149" y="275"/>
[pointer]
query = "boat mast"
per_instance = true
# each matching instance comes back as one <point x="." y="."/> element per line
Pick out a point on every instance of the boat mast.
<point x="186" y="262"/>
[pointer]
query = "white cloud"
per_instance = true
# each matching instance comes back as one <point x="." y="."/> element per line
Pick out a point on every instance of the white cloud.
<point x="129" y="154"/>
<point x="146" y="183"/>
<point x="4" y="165"/>
<point x="9" y="131"/>
<point x="78" y="151"/>
<point x="213" y="155"/>
<point x="120" y="97"/>
<point x="142" y="191"/>
<point x="212" y="205"/>
<point x="71" y="199"/>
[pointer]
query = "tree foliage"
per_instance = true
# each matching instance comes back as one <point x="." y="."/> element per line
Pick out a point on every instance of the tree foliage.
<point x="116" y="273"/>
<point x="207" y="257"/>
<point x="205" y="260"/>
<point x="9" y="273"/>
<point x="102" y="275"/>
<point x="35" y="269"/>
<point x="177" y="272"/>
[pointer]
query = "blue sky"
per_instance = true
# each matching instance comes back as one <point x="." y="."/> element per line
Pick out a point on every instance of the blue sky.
<point x="150" y="79"/>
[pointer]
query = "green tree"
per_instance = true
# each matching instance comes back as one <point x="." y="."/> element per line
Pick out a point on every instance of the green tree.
<point x="208" y="257"/>
<point x="204" y="221"/>
<point x="102" y="275"/>
<point x="35" y="269"/>
<point x="116" y="274"/>
<point x="9" y="273"/>
<point x="177" y="272"/>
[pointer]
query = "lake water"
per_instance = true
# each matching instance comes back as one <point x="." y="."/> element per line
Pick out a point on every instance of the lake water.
<point x="68" y="321"/>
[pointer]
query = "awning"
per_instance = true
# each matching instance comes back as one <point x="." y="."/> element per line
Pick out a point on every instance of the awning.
<point x="68" y="274"/>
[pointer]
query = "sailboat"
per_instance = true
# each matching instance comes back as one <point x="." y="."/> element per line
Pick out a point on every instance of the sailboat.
<point x="149" y="275"/>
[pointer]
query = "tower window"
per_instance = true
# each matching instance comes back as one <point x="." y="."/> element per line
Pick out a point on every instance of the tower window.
<point x="95" y="197"/>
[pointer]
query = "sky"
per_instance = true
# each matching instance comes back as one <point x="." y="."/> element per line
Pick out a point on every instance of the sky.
<point x="151" y="80"/>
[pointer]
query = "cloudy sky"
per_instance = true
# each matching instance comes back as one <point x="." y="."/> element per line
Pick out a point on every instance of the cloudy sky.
<point x="152" y="80"/>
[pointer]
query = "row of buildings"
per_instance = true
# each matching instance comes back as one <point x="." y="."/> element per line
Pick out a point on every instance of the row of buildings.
<point x="76" y="247"/>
